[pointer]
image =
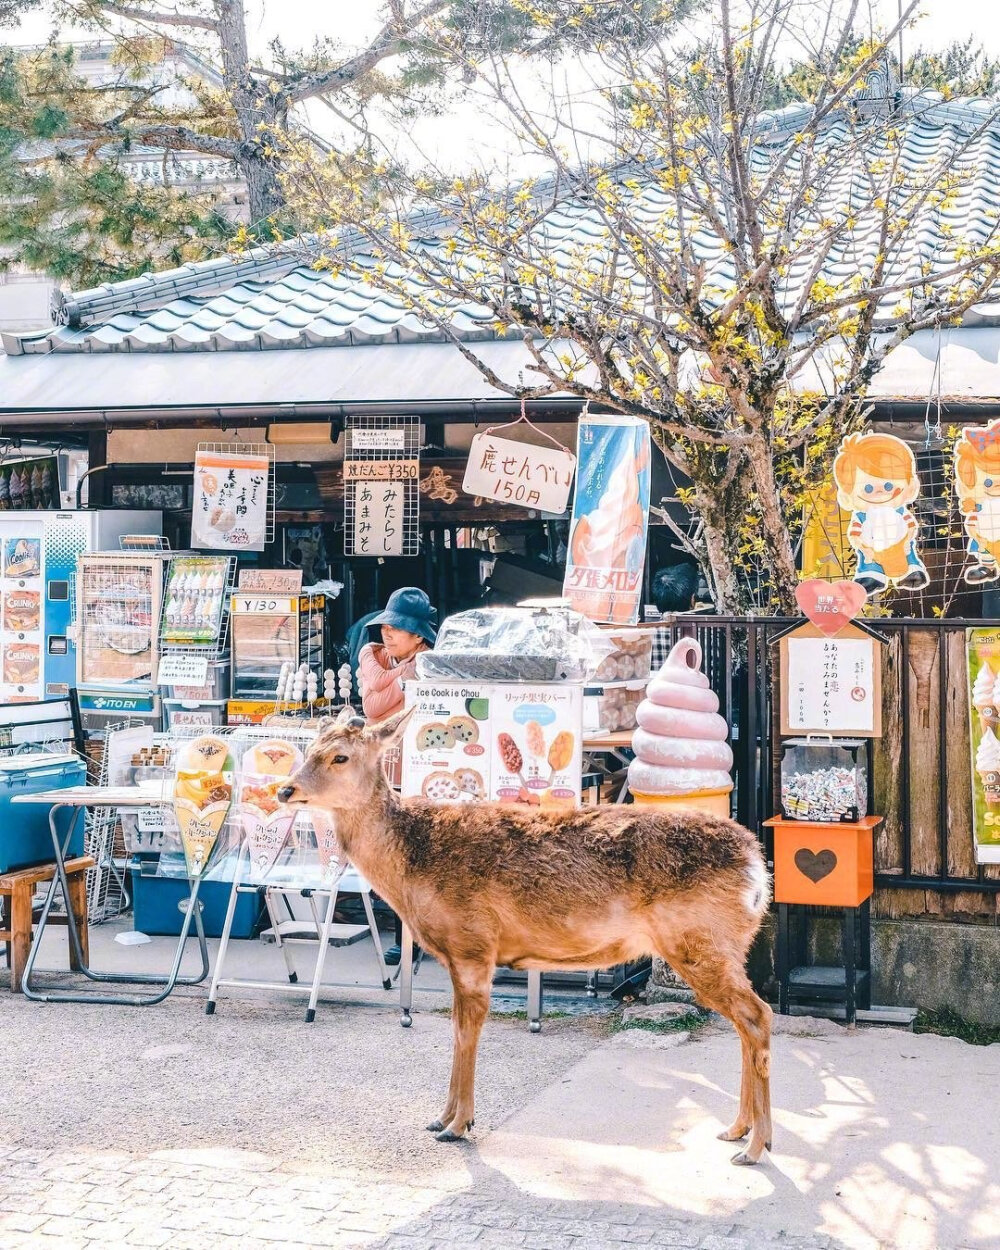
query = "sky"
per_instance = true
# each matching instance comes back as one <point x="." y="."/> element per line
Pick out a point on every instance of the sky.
<point x="466" y="134"/>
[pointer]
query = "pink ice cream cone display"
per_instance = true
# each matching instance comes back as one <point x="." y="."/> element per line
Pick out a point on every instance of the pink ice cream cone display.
<point x="682" y="756"/>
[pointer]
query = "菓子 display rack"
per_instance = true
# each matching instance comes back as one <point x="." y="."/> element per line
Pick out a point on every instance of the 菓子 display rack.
<point x="194" y="628"/>
<point x="278" y="643"/>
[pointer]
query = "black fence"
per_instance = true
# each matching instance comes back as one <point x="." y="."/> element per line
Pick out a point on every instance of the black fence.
<point x="921" y="767"/>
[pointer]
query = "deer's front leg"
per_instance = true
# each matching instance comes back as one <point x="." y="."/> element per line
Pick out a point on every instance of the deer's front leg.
<point x="471" y="983"/>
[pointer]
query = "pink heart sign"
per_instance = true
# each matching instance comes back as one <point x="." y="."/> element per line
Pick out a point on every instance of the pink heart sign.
<point x="830" y="605"/>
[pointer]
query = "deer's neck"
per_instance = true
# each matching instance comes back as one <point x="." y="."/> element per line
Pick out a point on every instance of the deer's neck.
<point x="369" y="840"/>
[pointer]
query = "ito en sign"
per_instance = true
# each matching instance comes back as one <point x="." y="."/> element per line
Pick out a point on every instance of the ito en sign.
<point x="519" y="473"/>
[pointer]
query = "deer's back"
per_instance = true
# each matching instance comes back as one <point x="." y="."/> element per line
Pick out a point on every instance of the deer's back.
<point x="596" y="849"/>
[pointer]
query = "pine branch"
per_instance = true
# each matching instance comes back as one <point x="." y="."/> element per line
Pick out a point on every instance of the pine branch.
<point x="157" y="17"/>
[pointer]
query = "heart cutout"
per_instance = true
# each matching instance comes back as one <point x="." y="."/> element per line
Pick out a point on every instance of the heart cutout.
<point x="815" y="866"/>
<point x="830" y="605"/>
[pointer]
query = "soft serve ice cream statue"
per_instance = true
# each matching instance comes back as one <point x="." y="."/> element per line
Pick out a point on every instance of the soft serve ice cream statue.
<point x="977" y="486"/>
<point x="877" y="481"/>
<point x="682" y="756"/>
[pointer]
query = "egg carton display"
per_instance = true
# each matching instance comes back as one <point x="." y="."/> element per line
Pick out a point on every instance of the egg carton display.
<point x="630" y="661"/>
<point x="515" y="644"/>
<point x="824" y="780"/>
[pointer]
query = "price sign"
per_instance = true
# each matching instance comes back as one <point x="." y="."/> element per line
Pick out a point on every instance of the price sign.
<point x="180" y="669"/>
<point x="271" y="581"/>
<point x="519" y="473"/>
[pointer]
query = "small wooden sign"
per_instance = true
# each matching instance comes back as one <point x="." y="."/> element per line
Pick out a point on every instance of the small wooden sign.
<point x="522" y="474"/>
<point x="271" y="581"/>
<point x="831" y="685"/>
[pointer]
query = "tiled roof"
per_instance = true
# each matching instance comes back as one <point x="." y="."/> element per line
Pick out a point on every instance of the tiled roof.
<point x="273" y="298"/>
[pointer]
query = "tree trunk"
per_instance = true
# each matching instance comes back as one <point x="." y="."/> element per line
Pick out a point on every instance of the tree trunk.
<point x="777" y="543"/>
<point x="260" y="114"/>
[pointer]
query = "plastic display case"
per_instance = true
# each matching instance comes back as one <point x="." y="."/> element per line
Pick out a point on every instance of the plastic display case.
<point x="824" y="780"/>
<point x="272" y="634"/>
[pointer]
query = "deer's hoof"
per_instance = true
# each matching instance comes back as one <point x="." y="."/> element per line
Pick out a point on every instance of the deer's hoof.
<point x="435" y="1126"/>
<point x="746" y="1158"/>
<point x="448" y="1136"/>
<point x="733" y="1134"/>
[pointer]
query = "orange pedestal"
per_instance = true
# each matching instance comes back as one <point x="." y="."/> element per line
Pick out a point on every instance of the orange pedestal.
<point x="824" y="865"/>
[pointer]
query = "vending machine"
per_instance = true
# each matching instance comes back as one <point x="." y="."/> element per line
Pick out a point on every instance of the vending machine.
<point x="39" y="551"/>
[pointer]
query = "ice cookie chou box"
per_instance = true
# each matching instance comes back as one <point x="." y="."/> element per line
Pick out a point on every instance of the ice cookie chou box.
<point x="446" y="746"/>
<point x="537" y="744"/>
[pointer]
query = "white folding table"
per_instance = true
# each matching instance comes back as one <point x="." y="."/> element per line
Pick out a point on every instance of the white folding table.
<point x="74" y="801"/>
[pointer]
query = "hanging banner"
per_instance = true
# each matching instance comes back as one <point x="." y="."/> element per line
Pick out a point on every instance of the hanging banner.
<point x="382" y="486"/>
<point x="519" y="473"/>
<point x="876" y="477"/>
<point x="230" y="509"/>
<point x="607" y="545"/>
<point x="983" y="650"/>
<point x="977" y="489"/>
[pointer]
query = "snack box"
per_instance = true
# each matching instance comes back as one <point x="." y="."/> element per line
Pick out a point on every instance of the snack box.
<point x="536" y="733"/>
<point x="446" y="747"/>
<point x="631" y="658"/>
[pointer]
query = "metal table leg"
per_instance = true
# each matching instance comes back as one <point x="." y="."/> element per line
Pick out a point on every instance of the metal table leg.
<point x="323" y="933"/>
<point x="535" y="1000"/>
<point x="220" y="958"/>
<point x="406" y="977"/>
<point x="60" y="881"/>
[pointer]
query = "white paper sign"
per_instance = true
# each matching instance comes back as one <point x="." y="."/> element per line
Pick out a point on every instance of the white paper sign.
<point x="230" y="508"/>
<point x="378" y="518"/>
<point x="183" y="670"/>
<point x="831" y="685"/>
<point x="519" y="473"/>
<point x="378" y="440"/>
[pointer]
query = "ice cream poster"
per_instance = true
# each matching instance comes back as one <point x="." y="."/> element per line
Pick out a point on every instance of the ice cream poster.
<point x="984" y="725"/>
<point x="607" y="546"/>
<point x="230" y="510"/>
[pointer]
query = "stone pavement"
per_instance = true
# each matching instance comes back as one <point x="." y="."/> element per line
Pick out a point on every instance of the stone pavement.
<point x="122" y="1127"/>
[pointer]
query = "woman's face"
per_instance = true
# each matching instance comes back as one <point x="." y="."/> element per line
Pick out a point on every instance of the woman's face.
<point x="399" y="643"/>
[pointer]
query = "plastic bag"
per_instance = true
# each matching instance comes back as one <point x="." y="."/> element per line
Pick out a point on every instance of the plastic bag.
<point x="516" y="644"/>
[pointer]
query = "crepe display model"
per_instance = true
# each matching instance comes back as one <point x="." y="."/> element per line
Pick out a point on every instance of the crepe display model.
<point x="266" y="824"/>
<point x="203" y="793"/>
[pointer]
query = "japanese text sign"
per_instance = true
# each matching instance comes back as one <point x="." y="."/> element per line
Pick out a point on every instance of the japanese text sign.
<point x="378" y="519"/>
<point x="230" y="509"/>
<point x="519" y="473"/>
<point x="831" y="685"/>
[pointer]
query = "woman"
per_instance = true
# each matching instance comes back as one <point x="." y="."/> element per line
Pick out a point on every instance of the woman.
<point x="406" y="628"/>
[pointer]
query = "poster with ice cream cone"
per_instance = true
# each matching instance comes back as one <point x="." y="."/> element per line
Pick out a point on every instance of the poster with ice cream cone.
<point x="983" y="651"/>
<point x="607" y="543"/>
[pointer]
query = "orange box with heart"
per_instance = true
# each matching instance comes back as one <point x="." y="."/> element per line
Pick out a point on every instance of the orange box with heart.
<point x="825" y="865"/>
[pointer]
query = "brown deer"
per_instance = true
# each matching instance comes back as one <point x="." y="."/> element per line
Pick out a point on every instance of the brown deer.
<point x="488" y="884"/>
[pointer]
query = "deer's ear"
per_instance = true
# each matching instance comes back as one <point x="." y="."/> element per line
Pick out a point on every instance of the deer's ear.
<point x="388" y="732"/>
<point x="344" y="715"/>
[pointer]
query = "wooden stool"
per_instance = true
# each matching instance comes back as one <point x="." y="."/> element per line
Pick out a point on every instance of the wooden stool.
<point x="19" y="887"/>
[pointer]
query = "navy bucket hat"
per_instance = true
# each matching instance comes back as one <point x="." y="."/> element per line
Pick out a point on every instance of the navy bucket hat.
<point x="408" y="609"/>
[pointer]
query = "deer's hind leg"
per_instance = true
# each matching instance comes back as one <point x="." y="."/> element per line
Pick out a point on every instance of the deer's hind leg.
<point x="471" y="981"/>
<point x="717" y="976"/>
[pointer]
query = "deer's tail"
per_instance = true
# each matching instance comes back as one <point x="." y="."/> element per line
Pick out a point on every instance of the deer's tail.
<point x="757" y="894"/>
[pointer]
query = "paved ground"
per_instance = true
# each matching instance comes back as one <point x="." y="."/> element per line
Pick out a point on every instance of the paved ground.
<point x="163" y="1127"/>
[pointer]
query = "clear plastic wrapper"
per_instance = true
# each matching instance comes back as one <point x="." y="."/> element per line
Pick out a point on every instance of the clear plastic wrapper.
<point x="516" y="644"/>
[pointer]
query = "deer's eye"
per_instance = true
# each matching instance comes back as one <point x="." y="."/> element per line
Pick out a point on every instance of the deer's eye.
<point x="339" y="759"/>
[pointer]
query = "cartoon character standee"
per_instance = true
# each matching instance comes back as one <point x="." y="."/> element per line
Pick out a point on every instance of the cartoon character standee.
<point x="876" y="476"/>
<point x="977" y="486"/>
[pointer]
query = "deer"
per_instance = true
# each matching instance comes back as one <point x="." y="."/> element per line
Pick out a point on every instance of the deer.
<point x="486" y="885"/>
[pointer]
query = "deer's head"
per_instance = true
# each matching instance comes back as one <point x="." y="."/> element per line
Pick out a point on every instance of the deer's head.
<point x="343" y="767"/>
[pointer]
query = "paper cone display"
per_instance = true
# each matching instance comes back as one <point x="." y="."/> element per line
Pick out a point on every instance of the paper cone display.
<point x="326" y="844"/>
<point x="200" y="829"/>
<point x="266" y="837"/>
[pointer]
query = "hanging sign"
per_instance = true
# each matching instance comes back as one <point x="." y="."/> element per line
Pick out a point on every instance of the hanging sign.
<point x="831" y="685"/>
<point x="607" y="544"/>
<point x="519" y="473"/>
<point x="983" y="650"/>
<point x="382" y="486"/>
<point x="977" y="489"/>
<point x="230" y="509"/>
<point x="830" y="605"/>
<point x="876" y="476"/>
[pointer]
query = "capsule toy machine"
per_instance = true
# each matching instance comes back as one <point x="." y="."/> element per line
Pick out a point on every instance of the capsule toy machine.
<point x="282" y="657"/>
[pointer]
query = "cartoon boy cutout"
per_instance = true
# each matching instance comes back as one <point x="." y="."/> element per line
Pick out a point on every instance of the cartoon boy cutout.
<point x="977" y="487"/>
<point x="876" y="477"/>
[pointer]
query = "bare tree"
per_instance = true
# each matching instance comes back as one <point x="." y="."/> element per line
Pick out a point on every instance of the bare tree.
<point x="736" y="277"/>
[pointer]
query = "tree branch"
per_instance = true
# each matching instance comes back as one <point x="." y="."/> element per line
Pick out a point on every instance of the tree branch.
<point x="158" y="17"/>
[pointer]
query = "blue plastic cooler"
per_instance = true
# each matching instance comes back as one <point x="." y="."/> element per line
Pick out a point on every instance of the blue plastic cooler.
<point x="24" y="830"/>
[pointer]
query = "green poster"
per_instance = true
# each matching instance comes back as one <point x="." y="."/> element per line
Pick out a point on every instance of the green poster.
<point x="984" y="717"/>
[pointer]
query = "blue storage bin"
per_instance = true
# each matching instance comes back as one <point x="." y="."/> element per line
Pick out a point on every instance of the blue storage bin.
<point x="25" y="838"/>
<point x="155" y="903"/>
